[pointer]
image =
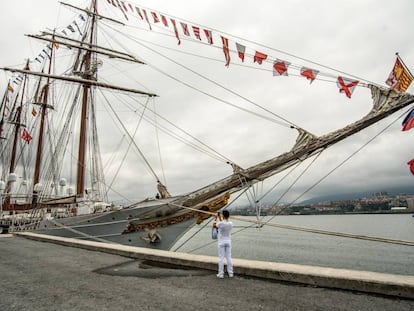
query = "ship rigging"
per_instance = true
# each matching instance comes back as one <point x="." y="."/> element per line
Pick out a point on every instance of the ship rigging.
<point x="52" y="166"/>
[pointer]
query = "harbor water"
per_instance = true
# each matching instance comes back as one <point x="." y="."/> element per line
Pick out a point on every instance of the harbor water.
<point x="290" y="246"/>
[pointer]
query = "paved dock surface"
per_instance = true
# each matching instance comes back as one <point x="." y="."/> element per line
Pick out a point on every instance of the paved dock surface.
<point x="43" y="276"/>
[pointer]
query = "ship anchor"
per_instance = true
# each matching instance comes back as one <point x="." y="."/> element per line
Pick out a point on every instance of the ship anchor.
<point x="152" y="236"/>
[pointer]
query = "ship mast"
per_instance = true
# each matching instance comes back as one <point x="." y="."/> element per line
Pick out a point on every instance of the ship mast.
<point x="89" y="75"/>
<point x="43" y="107"/>
<point x="84" y="74"/>
<point x="16" y="136"/>
<point x="3" y="111"/>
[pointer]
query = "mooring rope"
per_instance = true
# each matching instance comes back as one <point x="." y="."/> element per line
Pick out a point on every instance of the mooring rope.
<point x="333" y="233"/>
<point x="88" y="236"/>
<point x="311" y="230"/>
<point x="261" y="224"/>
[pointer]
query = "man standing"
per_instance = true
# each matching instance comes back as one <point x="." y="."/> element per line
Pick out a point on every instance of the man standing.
<point x="224" y="243"/>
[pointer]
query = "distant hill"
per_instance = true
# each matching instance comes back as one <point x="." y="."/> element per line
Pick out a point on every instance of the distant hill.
<point x="353" y="196"/>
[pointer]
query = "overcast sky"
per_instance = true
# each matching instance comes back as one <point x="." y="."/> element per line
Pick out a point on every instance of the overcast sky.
<point x="357" y="38"/>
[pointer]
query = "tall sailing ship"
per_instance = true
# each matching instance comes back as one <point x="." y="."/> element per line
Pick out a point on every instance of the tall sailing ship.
<point x="52" y="135"/>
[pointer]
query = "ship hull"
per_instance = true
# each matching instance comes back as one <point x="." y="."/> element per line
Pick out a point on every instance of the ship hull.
<point x="113" y="227"/>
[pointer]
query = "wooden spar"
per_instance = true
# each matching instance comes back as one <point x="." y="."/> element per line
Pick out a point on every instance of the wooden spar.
<point x="111" y="55"/>
<point x="93" y="13"/>
<point x="81" y="81"/>
<point x="263" y="170"/>
<point x="40" y="138"/>
<point x="80" y="184"/>
<point x="90" y="45"/>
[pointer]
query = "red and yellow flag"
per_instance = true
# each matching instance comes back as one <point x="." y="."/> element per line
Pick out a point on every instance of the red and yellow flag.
<point x="400" y="77"/>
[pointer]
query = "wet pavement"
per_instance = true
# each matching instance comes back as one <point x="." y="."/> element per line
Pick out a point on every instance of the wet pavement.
<point x="43" y="276"/>
<point x="151" y="270"/>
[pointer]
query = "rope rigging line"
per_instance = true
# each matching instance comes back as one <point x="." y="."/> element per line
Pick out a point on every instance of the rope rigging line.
<point x="339" y="165"/>
<point x="258" y="200"/>
<point x="114" y="66"/>
<point x="62" y="148"/>
<point x="110" y="160"/>
<point x="208" y="222"/>
<point x="300" y="176"/>
<point x="206" y="150"/>
<point x="252" y="194"/>
<point x="191" y="39"/>
<point x="296" y="67"/>
<point x="109" y="187"/>
<point x="203" y="147"/>
<point x="133" y="142"/>
<point x="61" y="141"/>
<point x="262" y="45"/>
<point x="88" y="236"/>
<point x="253" y="199"/>
<point x="129" y="145"/>
<point x="318" y="231"/>
<point x="214" y="242"/>
<point x="349" y="157"/>
<point x="148" y="109"/>
<point x="234" y="93"/>
<point x="158" y="145"/>
<point x="193" y="235"/>
<point x="137" y="41"/>
<point x="296" y="228"/>
<point x="279" y="181"/>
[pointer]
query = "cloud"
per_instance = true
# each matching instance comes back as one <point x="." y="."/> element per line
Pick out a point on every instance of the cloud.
<point x="356" y="38"/>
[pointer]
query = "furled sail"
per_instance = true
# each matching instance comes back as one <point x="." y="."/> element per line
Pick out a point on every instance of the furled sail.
<point x="77" y="93"/>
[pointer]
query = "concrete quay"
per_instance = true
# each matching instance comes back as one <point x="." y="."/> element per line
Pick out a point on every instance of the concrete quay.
<point x="100" y="276"/>
<point x="363" y="281"/>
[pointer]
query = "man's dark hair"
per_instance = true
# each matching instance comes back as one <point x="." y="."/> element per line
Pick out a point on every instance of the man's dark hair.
<point x="226" y="214"/>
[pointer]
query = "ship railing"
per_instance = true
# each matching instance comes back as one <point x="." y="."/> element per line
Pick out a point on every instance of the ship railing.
<point x="26" y="221"/>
